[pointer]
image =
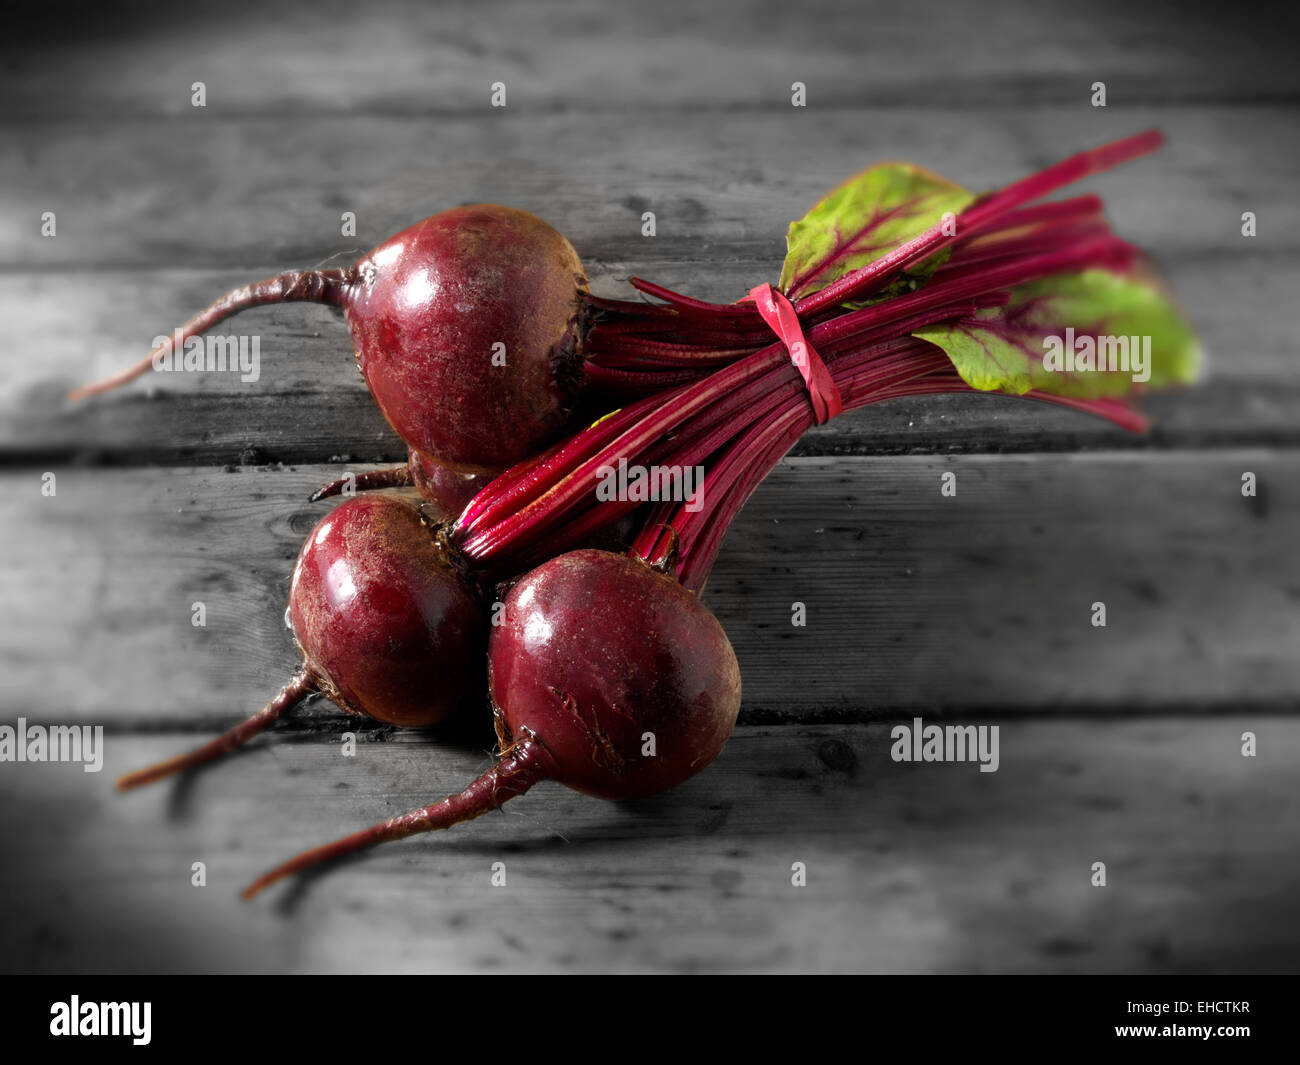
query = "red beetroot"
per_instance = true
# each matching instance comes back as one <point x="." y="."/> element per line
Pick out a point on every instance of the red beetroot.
<point x="386" y="627"/>
<point x="596" y="651"/>
<point x="386" y="623"/>
<point x="429" y="309"/>
<point x="607" y="676"/>
<point x="475" y="330"/>
<point x="467" y="328"/>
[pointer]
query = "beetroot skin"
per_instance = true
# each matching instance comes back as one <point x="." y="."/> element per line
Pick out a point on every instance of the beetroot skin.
<point x="426" y="308"/>
<point x="596" y="650"/>
<point x="468" y="328"/>
<point x="387" y="627"/>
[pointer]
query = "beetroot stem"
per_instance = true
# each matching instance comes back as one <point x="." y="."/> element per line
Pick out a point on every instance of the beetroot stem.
<point x="696" y="560"/>
<point x="300" y="685"/>
<point x="300" y="286"/>
<point x="999" y="248"/>
<point x="688" y="304"/>
<point x="523" y="483"/>
<point x="1001" y="243"/>
<point x="758" y="449"/>
<point x="978" y="215"/>
<point x="505" y="527"/>
<point x="519" y="767"/>
<point x="1057" y="212"/>
<point x="617" y="381"/>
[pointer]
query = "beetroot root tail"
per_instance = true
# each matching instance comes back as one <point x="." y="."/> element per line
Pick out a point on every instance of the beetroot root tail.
<point x="300" y="685"/>
<point x="520" y="767"/>
<point x="297" y="286"/>
<point x="394" y="477"/>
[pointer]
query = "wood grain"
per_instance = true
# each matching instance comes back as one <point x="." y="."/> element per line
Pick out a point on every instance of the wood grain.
<point x="309" y="403"/>
<point x="910" y="867"/>
<point x="421" y="60"/>
<point x="141" y="248"/>
<point x="236" y="193"/>
<point x="974" y="602"/>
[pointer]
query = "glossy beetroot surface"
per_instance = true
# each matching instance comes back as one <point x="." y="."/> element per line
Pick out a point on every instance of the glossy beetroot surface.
<point x="597" y="650"/>
<point x="431" y="306"/>
<point x="468" y="328"/>
<point x="387" y="627"/>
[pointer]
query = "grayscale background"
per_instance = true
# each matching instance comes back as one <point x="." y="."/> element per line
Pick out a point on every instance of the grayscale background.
<point x="1120" y="745"/>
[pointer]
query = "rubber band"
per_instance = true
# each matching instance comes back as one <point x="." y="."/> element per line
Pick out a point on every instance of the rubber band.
<point x="779" y="314"/>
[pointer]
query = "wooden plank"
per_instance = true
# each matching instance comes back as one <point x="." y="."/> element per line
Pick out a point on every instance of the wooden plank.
<point x="162" y="429"/>
<point x="203" y="191"/>
<point x="982" y="601"/>
<point x="90" y="300"/>
<point x="308" y="403"/>
<point x="910" y="867"/>
<point x="408" y="58"/>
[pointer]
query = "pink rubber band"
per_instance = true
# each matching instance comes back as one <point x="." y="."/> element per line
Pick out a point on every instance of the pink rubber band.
<point x="778" y="313"/>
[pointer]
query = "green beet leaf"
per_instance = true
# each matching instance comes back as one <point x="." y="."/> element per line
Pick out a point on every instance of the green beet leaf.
<point x="861" y="220"/>
<point x="1088" y="334"/>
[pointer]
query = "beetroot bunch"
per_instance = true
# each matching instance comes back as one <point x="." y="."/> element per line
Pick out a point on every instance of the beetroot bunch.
<point x="477" y="336"/>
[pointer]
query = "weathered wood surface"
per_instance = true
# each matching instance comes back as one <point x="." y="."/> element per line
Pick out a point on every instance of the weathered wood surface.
<point x="434" y="60"/>
<point x="142" y="247"/>
<point x="229" y="192"/>
<point x="910" y="867"/>
<point x="309" y="403"/>
<point x="1119" y="745"/>
<point x="982" y="601"/>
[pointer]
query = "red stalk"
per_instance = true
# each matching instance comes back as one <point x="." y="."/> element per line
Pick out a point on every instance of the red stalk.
<point x="520" y="519"/>
<point x="980" y="213"/>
